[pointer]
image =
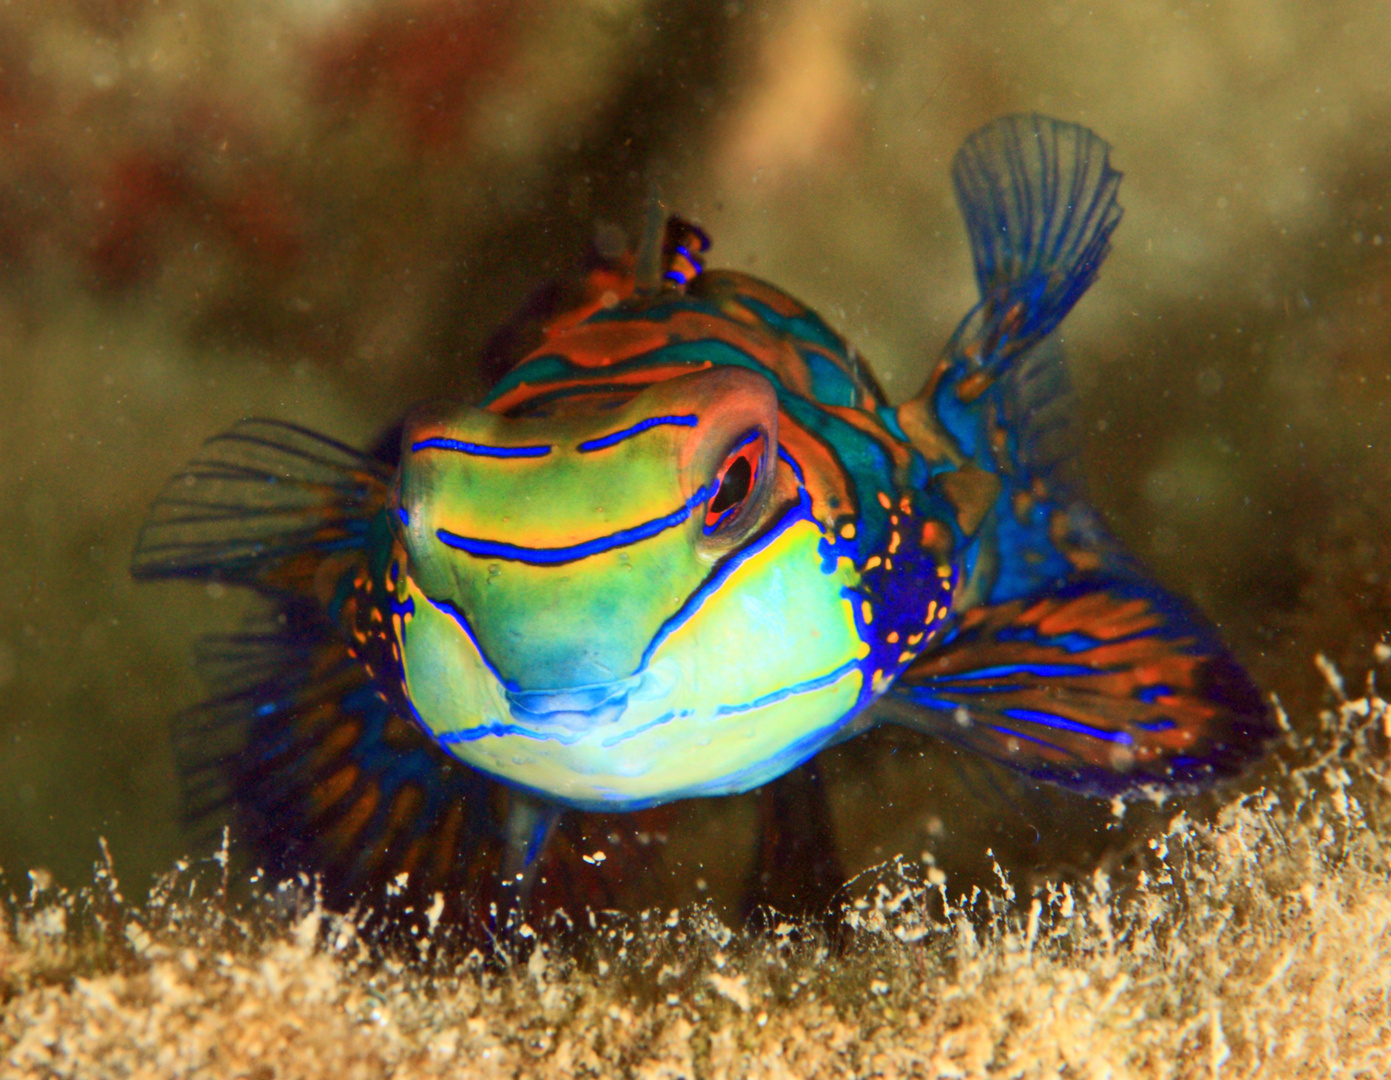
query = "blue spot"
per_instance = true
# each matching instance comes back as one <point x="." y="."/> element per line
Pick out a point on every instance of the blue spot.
<point x="605" y="441"/>
<point x="479" y="449"/>
<point x="1162" y="724"/>
<point x="1151" y="694"/>
<point x="401" y="513"/>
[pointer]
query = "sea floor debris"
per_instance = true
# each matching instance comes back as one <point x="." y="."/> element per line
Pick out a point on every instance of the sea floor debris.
<point x="1254" y="943"/>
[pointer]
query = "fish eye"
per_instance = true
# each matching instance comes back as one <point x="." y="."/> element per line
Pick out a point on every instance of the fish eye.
<point x="734" y="481"/>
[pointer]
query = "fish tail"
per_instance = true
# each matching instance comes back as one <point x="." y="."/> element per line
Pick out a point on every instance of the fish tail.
<point x="1038" y="197"/>
<point x="263" y="505"/>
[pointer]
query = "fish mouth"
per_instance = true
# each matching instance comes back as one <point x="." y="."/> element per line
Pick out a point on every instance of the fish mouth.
<point x="574" y="710"/>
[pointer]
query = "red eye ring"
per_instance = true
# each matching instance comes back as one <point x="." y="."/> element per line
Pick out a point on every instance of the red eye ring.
<point x="735" y="481"/>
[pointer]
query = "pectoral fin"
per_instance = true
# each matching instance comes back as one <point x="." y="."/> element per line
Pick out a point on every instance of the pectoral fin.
<point x="1107" y="686"/>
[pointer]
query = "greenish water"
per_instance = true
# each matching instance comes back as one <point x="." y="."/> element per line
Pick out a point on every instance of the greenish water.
<point x="319" y="212"/>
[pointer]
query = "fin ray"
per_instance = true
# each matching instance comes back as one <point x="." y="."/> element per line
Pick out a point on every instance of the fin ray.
<point x="1039" y="199"/>
<point x="257" y="505"/>
<point x="295" y="739"/>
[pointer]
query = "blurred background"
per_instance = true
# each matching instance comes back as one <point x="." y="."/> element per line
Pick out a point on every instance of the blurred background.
<point x="318" y="210"/>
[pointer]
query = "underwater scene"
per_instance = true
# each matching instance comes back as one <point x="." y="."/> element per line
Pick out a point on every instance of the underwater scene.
<point x="669" y="538"/>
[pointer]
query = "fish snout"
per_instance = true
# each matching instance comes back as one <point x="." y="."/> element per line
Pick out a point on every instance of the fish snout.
<point x="572" y="709"/>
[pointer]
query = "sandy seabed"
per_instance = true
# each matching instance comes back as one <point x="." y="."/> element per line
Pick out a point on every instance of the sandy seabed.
<point x="1258" y="944"/>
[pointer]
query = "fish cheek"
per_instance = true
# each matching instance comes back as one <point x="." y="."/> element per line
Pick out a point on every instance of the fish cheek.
<point x="747" y="633"/>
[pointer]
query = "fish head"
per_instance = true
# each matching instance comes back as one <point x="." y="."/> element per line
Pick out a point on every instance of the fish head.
<point x="616" y="602"/>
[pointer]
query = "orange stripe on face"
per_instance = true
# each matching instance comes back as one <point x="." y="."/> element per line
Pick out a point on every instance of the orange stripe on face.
<point x="771" y="298"/>
<point x="867" y="423"/>
<point x="638" y="380"/>
<point x="825" y="480"/>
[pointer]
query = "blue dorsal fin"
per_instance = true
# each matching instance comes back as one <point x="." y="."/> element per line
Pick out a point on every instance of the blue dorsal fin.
<point x="1039" y="408"/>
<point x="1038" y="197"/>
<point x="1039" y="200"/>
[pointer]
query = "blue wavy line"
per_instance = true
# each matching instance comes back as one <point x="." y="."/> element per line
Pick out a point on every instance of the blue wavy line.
<point x="801" y="511"/>
<point x="605" y="441"/>
<point x="479" y="449"/>
<point x="533" y="556"/>
<point x="788" y="691"/>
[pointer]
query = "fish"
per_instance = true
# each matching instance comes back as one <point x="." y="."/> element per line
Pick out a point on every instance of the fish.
<point x="684" y="544"/>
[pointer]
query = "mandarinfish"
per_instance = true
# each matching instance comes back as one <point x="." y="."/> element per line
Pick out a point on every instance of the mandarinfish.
<point x="683" y="545"/>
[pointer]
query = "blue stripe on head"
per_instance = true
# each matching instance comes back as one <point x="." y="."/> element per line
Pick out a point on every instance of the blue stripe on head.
<point x="479" y="449"/>
<point x="534" y="556"/>
<point x="603" y="442"/>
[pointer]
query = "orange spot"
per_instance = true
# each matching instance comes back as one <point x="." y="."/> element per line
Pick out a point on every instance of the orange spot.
<point x="447" y="841"/>
<point x="872" y="562"/>
<point x="892" y="639"/>
<point x="884" y="501"/>
<point x="848" y="530"/>
<point x="354" y="821"/>
<point x="338" y="740"/>
<point x="867" y="611"/>
<point x="328" y="793"/>
<point x="935" y="535"/>
<point x="931" y="611"/>
<point x="404" y="807"/>
<point x="972" y="386"/>
<point x="894" y="541"/>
